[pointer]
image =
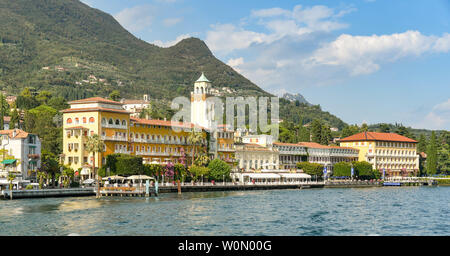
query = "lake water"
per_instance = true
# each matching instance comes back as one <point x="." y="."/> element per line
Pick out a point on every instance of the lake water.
<point x="317" y="212"/>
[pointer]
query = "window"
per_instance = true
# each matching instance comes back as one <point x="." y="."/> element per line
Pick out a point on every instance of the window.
<point x="77" y="120"/>
<point x="110" y="121"/>
<point x="91" y="120"/>
<point x="117" y="122"/>
<point x="69" y="120"/>
<point x="84" y="120"/>
<point x="124" y="122"/>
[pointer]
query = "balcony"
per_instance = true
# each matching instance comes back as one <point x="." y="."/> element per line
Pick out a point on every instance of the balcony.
<point x="122" y="151"/>
<point x="114" y="138"/>
<point x="226" y="149"/>
<point x="34" y="156"/>
<point x="115" y="126"/>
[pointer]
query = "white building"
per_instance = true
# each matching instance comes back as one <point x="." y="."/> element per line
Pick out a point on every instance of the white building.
<point x="202" y="112"/>
<point x="254" y="157"/>
<point x="261" y="139"/>
<point x="26" y="150"/>
<point x="136" y="106"/>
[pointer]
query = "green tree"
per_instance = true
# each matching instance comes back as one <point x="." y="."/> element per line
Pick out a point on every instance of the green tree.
<point x="195" y="138"/>
<point x="431" y="165"/>
<point x="43" y="97"/>
<point x="313" y="169"/>
<point x="342" y="169"/>
<point x="15" y="118"/>
<point x="316" y="131"/>
<point x="325" y="137"/>
<point x="218" y="169"/>
<point x="443" y="159"/>
<point x="95" y="145"/>
<point x="40" y="120"/>
<point x="115" y="95"/>
<point x="363" y="170"/>
<point x="2" y="111"/>
<point x="422" y="145"/>
<point x="49" y="165"/>
<point x="198" y="171"/>
<point x="364" y="128"/>
<point x="384" y="128"/>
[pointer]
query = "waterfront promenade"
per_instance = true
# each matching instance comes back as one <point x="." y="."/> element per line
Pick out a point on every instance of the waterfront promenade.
<point x="139" y="190"/>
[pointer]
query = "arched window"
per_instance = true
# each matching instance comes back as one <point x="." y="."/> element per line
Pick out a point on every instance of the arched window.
<point x="117" y="122"/>
<point x="91" y="120"/>
<point x="77" y="120"/>
<point x="84" y="120"/>
<point x="124" y="122"/>
<point x="103" y="120"/>
<point x="69" y="120"/>
<point x="110" y="121"/>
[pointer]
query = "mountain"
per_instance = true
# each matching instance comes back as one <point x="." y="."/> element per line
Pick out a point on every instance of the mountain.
<point x="76" y="51"/>
<point x="296" y="97"/>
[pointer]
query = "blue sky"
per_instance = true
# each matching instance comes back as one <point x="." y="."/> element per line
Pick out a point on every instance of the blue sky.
<point x="366" y="61"/>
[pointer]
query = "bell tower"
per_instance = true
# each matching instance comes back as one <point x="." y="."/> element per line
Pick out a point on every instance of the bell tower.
<point x="199" y="106"/>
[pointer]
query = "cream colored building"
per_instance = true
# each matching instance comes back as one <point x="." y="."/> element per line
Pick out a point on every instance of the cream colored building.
<point x="394" y="153"/>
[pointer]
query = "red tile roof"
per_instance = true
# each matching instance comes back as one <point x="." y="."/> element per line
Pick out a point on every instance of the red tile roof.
<point x="95" y="100"/>
<point x="162" y="123"/>
<point x="72" y="110"/>
<point x="20" y="134"/>
<point x="377" y="136"/>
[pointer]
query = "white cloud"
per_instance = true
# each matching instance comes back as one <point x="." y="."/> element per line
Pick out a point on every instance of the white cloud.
<point x="136" y="18"/>
<point x="235" y="63"/>
<point x="438" y="117"/>
<point x="364" y="54"/>
<point x="263" y="13"/>
<point x="225" y="38"/>
<point x="170" y="43"/>
<point x="169" y="22"/>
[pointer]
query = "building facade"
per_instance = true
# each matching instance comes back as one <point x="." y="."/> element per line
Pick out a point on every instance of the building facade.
<point x="155" y="140"/>
<point x="252" y="157"/>
<point x="394" y="153"/>
<point x="25" y="148"/>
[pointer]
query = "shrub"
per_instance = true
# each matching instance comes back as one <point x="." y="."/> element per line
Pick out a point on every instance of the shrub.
<point x="198" y="171"/>
<point x="363" y="170"/>
<point x="342" y="169"/>
<point x="29" y="186"/>
<point x="218" y="169"/>
<point x="128" y="165"/>
<point x="311" y="168"/>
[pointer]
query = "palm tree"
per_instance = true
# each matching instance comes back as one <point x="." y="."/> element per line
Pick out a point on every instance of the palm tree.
<point x="95" y="145"/>
<point x="195" y="138"/>
<point x="11" y="177"/>
<point x="41" y="176"/>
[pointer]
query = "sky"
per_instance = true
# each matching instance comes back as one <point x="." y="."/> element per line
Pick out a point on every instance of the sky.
<point x="365" y="61"/>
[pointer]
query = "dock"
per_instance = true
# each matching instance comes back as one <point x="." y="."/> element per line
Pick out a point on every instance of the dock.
<point x="41" y="193"/>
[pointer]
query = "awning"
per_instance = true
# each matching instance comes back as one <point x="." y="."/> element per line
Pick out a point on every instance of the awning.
<point x="9" y="161"/>
<point x="295" y="175"/>
<point x="263" y="175"/>
<point x="140" y="177"/>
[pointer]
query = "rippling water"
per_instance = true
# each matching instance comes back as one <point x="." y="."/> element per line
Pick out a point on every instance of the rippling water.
<point x="317" y="212"/>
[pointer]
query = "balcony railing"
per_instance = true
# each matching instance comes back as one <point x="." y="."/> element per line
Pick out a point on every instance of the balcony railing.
<point x="114" y="138"/>
<point x="122" y="151"/>
<point x="115" y="126"/>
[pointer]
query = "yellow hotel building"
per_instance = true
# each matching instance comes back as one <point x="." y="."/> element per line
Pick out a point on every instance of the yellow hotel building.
<point x="390" y="151"/>
<point x="154" y="140"/>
